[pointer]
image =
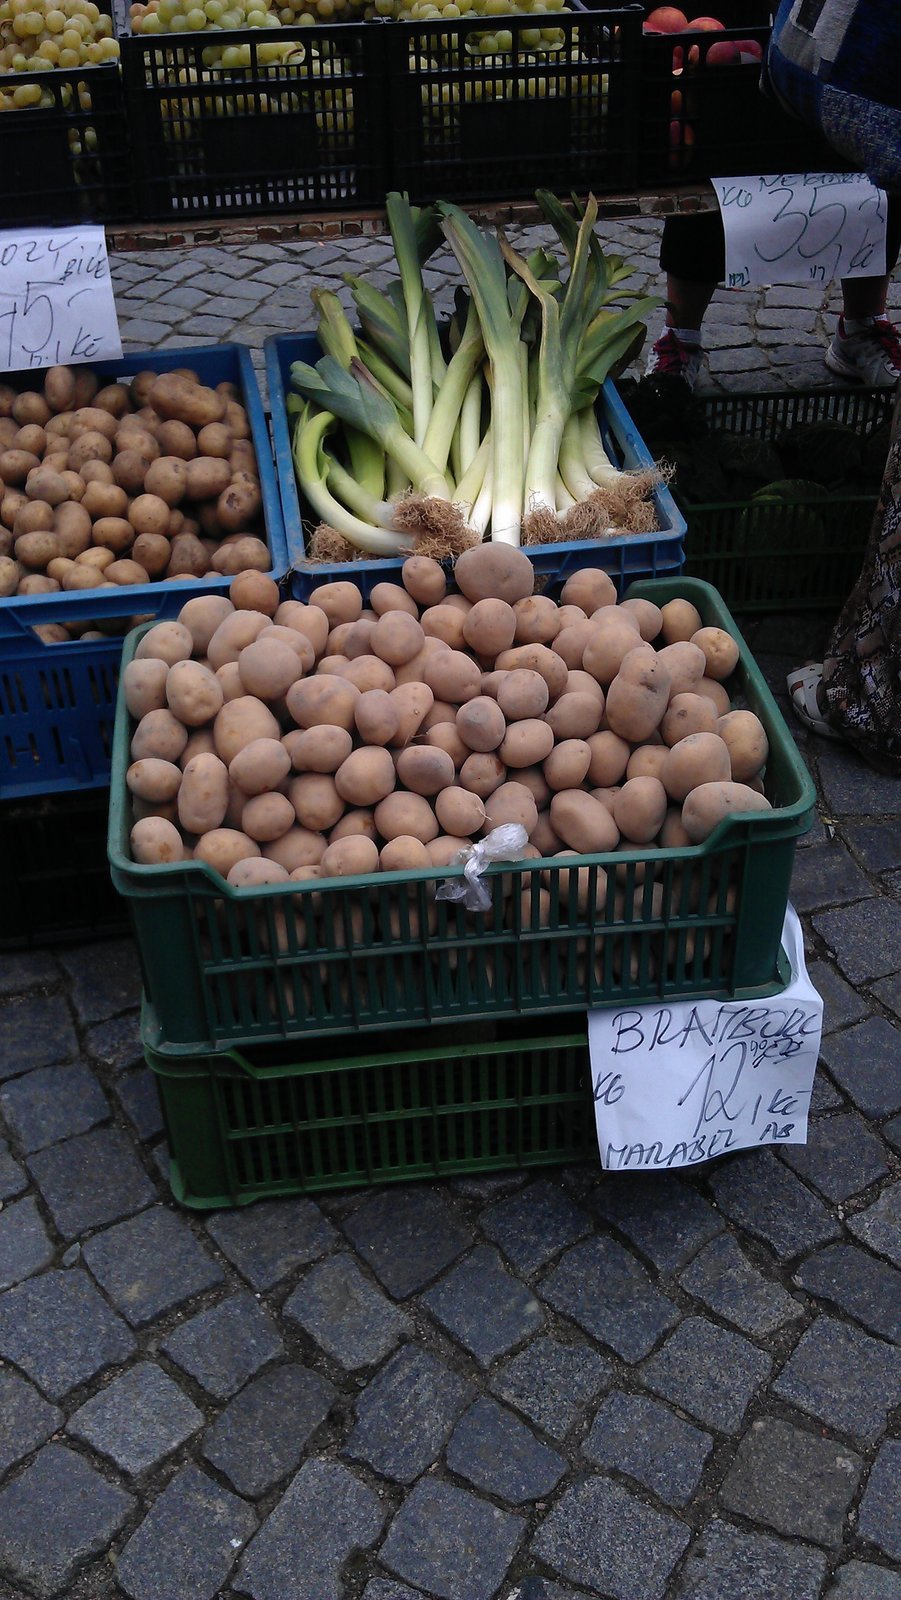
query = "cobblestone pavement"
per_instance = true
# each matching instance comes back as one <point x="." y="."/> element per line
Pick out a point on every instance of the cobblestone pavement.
<point x="552" y="1387"/>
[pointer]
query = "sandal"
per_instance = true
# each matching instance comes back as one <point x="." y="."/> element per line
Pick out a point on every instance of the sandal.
<point x="803" y="684"/>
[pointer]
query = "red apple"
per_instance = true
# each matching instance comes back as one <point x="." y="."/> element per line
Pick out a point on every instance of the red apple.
<point x="724" y="54"/>
<point x="666" y="19"/>
<point x="750" y="50"/>
<point x="706" y="25"/>
<point x="678" y="60"/>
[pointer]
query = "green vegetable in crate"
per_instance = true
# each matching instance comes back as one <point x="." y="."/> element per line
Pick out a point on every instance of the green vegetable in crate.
<point x="493" y="428"/>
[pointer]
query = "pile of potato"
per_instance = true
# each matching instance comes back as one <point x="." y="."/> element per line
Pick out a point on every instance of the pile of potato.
<point x="131" y="483"/>
<point x="278" y="741"/>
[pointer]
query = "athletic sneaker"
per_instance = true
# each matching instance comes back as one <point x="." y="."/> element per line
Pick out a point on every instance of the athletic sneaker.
<point x="670" y="358"/>
<point x="872" y="356"/>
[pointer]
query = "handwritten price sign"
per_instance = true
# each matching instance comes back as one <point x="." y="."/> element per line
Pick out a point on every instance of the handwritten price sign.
<point x="801" y="227"/>
<point x="56" y="298"/>
<point x="676" y="1085"/>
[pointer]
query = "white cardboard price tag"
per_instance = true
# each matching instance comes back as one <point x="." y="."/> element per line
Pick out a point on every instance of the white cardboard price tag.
<point x="56" y="298"/>
<point x="681" y="1083"/>
<point x="801" y="227"/>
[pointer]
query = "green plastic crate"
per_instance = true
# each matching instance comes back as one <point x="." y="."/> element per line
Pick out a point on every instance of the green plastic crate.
<point x="457" y="1100"/>
<point x="224" y="968"/>
<point x="783" y="558"/>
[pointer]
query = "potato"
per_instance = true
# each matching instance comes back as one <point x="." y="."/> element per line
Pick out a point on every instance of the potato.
<point x="444" y="622"/>
<point x="397" y="638"/>
<point x="15" y="465"/>
<point x="376" y="717"/>
<point x="510" y="802"/>
<point x="317" y="749"/>
<point x="94" y="472"/>
<point x="203" y="795"/>
<point x="404" y="854"/>
<point x="229" y="679"/>
<point x="385" y="597"/>
<point x="680" y="621"/>
<point x="366" y="672"/>
<point x="114" y="534"/>
<point x="94" y="447"/>
<point x="745" y="738"/>
<point x="535" y="781"/>
<point x="177" y="439"/>
<point x="114" y="398"/>
<point x="158" y="734"/>
<point x="460" y="812"/>
<point x="647" y="761"/>
<point x="453" y="677"/>
<point x="685" y="714"/>
<point x="200" y="742"/>
<point x="29" y="406"/>
<point x="59" y="388"/>
<point x="36" y="550"/>
<point x="252" y="591"/>
<point x="82" y="577"/>
<point x="175" y="396"/>
<point x="316" y="801"/>
<point x="97" y="556"/>
<point x="490" y="627"/>
<point x="716" y="694"/>
<point x="440" y="711"/>
<point x="352" y="857"/>
<point x="590" y="589"/>
<point x="482" y="774"/>
<point x="308" y="620"/>
<point x="167" y="478"/>
<point x="412" y="703"/>
<point x="567" y="765"/>
<point x="188" y="557"/>
<point x="526" y="743"/>
<point x="235" y="632"/>
<point x="154" y="780"/>
<point x="298" y="848"/>
<point x="425" y="769"/>
<point x="133" y="439"/>
<point x="341" y="602"/>
<point x="323" y="699"/>
<point x="699" y="758"/>
<point x="104" y="500"/>
<point x="35" y="516"/>
<point x="149" y="513"/>
<point x="720" y="652"/>
<point x="215" y="439"/>
<point x="43" y="483"/>
<point x="268" y="668"/>
<point x="582" y="822"/>
<point x="10" y="574"/>
<point x="354" y="823"/>
<point x="481" y="725"/>
<point x="38" y="583"/>
<point x="194" y="693"/>
<point x="444" y="850"/>
<point x="647" y="617"/>
<point x="366" y="777"/>
<point x="710" y="804"/>
<point x="639" y="809"/>
<point x="406" y="815"/>
<point x="255" y="871"/>
<point x="154" y="841"/>
<point x="522" y="694"/>
<point x="206" y="478"/>
<point x="575" y="715"/>
<point x="638" y="696"/>
<point x="571" y="641"/>
<point x="244" y="554"/>
<point x="267" y="816"/>
<point x="126" y="573"/>
<point x="494" y="572"/>
<point x="672" y="834"/>
<point x="168" y="641"/>
<point x="537" y="620"/>
<point x="144" y="685"/>
<point x="223" y="848"/>
<point x="613" y="635"/>
<point x="424" y="580"/>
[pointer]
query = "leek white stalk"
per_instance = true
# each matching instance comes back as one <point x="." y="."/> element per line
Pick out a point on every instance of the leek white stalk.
<point x="471" y="422"/>
<point x="403" y="233"/>
<point x="311" y="466"/>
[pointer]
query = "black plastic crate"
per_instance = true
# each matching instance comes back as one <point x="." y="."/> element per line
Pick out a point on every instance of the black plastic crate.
<point x="469" y="125"/>
<point x="66" y="160"/>
<point x="701" y="119"/>
<point x="55" y="884"/>
<point x="269" y="137"/>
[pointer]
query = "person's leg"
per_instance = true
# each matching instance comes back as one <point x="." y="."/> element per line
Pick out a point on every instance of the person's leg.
<point x="866" y="346"/>
<point x="692" y="254"/>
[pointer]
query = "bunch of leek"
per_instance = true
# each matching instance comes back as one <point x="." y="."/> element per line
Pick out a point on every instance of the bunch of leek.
<point x="406" y="440"/>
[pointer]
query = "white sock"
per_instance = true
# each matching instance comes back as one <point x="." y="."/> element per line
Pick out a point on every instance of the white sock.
<point x="858" y="324"/>
<point x="688" y="335"/>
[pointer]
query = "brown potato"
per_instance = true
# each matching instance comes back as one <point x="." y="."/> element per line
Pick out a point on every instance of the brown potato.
<point x="536" y="658"/>
<point x="260" y="767"/>
<point x="126" y="573"/>
<point x="59" y="388"/>
<point x="193" y="693"/>
<point x="716" y="694"/>
<point x="720" y="652"/>
<point x="223" y="848"/>
<point x="145" y="686"/>
<point x="317" y="749"/>
<point x="252" y="591"/>
<point x="404" y="854"/>
<point x="95" y="472"/>
<point x="173" y="396"/>
<point x="245" y="553"/>
<point x="490" y="627"/>
<point x="481" y="725"/>
<point x="177" y="439"/>
<point x="88" y="447"/>
<point x="324" y="698"/>
<point x="10" y="575"/>
<point x="482" y="774"/>
<point x="397" y="637"/>
<point x="444" y="622"/>
<point x="167" y="478"/>
<point x="638" y="696"/>
<point x="236" y="630"/>
<point x="647" y="617"/>
<point x="570" y="642"/>
<point x="685" y="664"/>
<point x="647" y="761"/>
<point x="159" y="734"/>
<point x="35" y="516"/>
<point x="341" y="602"/>
<point x="188" y="557"/>
<point x="152" y="552"/>
<point x="698" y="759"/>
<point x="154" y="780"/>
<point x="522" y="693"/>
<point x="745" y="739"/>
<point x="685" y="714"/>
<point x="365" y="672"/>
<point x="298" y="848"/>
<point x="215" y="439"/>
<point x="567" y="765"/>
<point x="267" y="816"/>
<point x="453" y="677"/>
<point x="353" y="824"/>
<point x="316" y="801"/>
<point x="15" y="466"/>
<point x="680" y="621"/>
<point x="639" y="809"/>
<point x="425" y="769"/>
<point x="537" y="620"/>
<point x="424" y="580"/>
<point x="412" y="702"/>
<point x="575" y="715"/>
<point x="113" y="533"/>
<point x="268" y="668"/>
<point x="460" y="812"/>
<point x="377" y="717"/>
<point x="494" y="572"/>
<point x="510" y="802"/>
<point x="29" y="406"/>
<point x="38" y="583"/>
<point x="590" y="589"/>
<point x="583" y="823"/>
<point x="155" y="842"/>
<point x="526" y="743"/>
<point x="710" y="804"/>
<point x="148" y="513"/>
<point x="536" y="783"/>
<point x="406" y="815"/>
<point x="129" y="470"/>
<point x="104" y="500"/>
<point x="43" y="483"/>
<point x="241" y="721"/>
<point x="366" y="777"/>
<point x="613" y="635"/>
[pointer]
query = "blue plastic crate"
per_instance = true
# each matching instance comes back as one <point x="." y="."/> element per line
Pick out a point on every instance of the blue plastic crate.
<point x="57" y="701"/>
<point x="639" y="555"/>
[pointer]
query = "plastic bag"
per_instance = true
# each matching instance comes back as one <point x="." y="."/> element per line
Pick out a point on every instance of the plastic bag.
<point x="505" y="843"/>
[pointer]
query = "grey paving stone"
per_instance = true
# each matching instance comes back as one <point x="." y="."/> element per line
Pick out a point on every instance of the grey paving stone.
<point x="262" y="1434"/>
<point x="865" y="938"/>
<point x="55" y="1516"/>
<point x="892" y="1132"/>
<point x="26" y="1420"/>
<point x="117" y="1043"/>
<point x="483" y="1307"/>
<point x="664" y="1218"/>
<point x="150" y="1264"/>
<point x="350" y="1319"/>
<point x="495" y="1452"/>
<point x="24" y="1243"/>
<point x="825" y="875"/>
<point x="851" y="787"/>
<point x="450" y="1542"/>
<point x="843" y="1377"/>
<point x="603" y="1288"/>
<point x="880" y="1225"/>
<point x="490" y="1186"/>
<point x="267" y="1241"/>
<point x="824" y="1095"/>
<point x="139" y="1098"/>
<point x="324" y="1517"/>
<point x="792" y="1482"/>
<point x="864" y="1061"/>
<point x="407" y="1237"/>
<point x="648" y="1441"/>
<point x="389" y="1589"/>
<point x="877" y="843"/>
<point x="52" y="1103"/>
<point x="728" y="1563"/>
<point x="868" y="1290"/>
<point x="91" y="1180"/>
<point x="841" y="1156"/>
<point x="12" y="1178"/>
<point x="182" y="297"/>
<point x="225" y="1345"/>
<point x="708" y="1372"/>
<point x="102" y="988"/>
<point x="27" y="969"/>
<point x="723" y="1278"/>
<point x="406" y="1413"/>
<point x="535" y="1224"/>
<point x="601" y="1535"/>
<point x="795" y="318"/>
<point x="137" y="1420"/>
<point x="60" y="1331"/>
<point x="878" y="1516"/>
<point x="533" y="1588"/>
<point x="35" y="1033"/>
<point x="552" y="1383"/>
<point x="861" y="1580"/>
<point x="743" y="360"/>
<point x="758" y="1193"/>
<point x="188" y="1542"/>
